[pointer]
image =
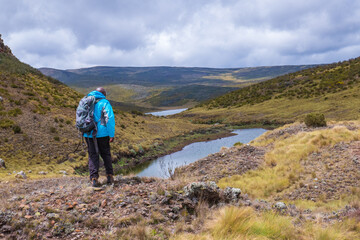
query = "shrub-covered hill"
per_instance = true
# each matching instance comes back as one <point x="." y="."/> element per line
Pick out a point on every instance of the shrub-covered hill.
<point x="332" y="89"/>
<point x="37" y="118"/>
<point x="36" y="124"/>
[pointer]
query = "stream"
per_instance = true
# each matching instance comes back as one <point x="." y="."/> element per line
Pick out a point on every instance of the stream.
<point x="167" y="112"/>
<point x="193" y="152"/>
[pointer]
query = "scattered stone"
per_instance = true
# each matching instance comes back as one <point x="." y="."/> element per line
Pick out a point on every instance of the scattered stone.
<point x="103" y="203"/>
<point x="6" y="229"/>
<point x="21" y="174"/>
<point x="63" y="172"/>
<point x="2" y="163"/>
<point x="280" y="206"/>
<point x="52" y="216"/>
<point x="29" y="171"/>
<point x="42" y="173"/>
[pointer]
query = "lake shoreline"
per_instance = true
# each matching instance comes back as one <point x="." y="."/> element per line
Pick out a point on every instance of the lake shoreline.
<point x="136" y="162"/>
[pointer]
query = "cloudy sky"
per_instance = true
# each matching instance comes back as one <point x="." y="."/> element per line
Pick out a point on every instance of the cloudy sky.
<point x="204" y="33"/>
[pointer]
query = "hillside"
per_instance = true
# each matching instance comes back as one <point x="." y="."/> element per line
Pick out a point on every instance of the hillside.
<point x="151" y="86"/>
<point x="269" y="189"/>
<point x="331" y="89"/>
<point x="37" y="132"/>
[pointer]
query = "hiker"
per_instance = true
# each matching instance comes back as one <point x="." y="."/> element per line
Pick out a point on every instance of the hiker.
<point x="105" y="122"/>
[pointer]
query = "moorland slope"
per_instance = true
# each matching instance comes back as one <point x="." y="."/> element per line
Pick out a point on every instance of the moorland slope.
<point x="330" y="89"/>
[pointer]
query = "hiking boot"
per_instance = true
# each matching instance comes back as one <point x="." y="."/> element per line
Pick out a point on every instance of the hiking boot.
<point x="110" y="179"/>
<point x="95" y="182"/>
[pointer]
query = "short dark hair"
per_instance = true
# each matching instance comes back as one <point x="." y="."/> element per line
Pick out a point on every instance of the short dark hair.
<point x="102" y="90"/>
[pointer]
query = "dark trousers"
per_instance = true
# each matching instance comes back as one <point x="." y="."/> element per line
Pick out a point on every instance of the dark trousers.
<point x="104" y="150"/>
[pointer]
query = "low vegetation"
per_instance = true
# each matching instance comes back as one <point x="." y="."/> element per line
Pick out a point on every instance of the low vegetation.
<point x="244" y="223"/>
<point x="315" y="120"/>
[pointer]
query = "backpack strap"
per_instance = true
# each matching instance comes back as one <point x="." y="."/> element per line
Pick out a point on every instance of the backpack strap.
<point x="95" y="140"/>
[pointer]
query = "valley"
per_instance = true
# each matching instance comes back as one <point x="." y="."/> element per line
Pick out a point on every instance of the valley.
<point x="161" y="87"/>
<point x="296" y="181"/>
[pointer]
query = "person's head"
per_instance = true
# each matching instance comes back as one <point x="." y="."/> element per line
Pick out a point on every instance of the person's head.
<point x="102" y="90"/>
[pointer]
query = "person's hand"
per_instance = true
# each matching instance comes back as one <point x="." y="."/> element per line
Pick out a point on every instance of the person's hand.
<point x="111" y="139"/>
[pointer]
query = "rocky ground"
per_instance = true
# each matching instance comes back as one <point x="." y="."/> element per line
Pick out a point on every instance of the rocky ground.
<point x="227" y="162"/>
<point x="332" y="172"/>
<point x="68" y="208"/>
<point x="151" y="208"/>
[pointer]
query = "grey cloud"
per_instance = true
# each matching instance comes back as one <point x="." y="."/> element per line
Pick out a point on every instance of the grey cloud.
<point x="214" y="33"/>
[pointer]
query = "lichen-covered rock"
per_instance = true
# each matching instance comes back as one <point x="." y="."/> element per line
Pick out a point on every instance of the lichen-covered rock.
<point x="203" y="191"/>
<point x="21" y="174"/>
<point x="5" y="217"/>
<point x="232" y="194"/>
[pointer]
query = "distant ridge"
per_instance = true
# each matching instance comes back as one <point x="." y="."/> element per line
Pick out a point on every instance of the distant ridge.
<point x="155" y="85"/>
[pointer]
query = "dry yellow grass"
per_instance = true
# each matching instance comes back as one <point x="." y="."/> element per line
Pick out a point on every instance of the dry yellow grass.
<point x="282" y="165"/>
<point x="234" y="223"/>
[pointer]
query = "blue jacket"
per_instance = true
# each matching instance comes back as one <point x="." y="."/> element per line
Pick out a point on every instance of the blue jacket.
<point x="103" y="116"/>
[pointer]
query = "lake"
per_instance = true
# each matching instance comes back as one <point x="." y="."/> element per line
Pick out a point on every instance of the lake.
<point x="167" y="112"/>
<point x="196" y="151"/>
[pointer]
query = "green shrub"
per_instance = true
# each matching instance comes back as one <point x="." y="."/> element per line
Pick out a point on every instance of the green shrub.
<point x="57" y="138"/>
<point x="238" y="144"/>
<point x="6" y="123"/>
<point x="15" y="112"/>
<point x="315" y="120"/>
<point x="16" y="129"/>
<point x="52" y="130"/>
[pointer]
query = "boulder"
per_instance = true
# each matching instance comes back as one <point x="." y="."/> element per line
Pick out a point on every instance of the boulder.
<point x="2" y="163"/>
<point x="203" y="191"/>
<point x="280" y="206"/>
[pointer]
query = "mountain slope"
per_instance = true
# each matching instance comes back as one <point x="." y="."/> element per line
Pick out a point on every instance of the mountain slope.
<point x="332" y="89"/>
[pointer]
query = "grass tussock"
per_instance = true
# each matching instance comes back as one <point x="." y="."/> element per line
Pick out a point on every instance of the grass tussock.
<point x="244" y="223"/>
<point x="282" y="166"/>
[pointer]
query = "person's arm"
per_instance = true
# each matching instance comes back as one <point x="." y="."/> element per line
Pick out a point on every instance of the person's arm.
<point x="110" y="126"/>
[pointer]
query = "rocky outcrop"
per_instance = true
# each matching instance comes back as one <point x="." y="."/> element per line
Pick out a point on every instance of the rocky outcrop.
<point x="2" y="163"/>
<point x="3" y="48"/>
<point x="211" y="193"/>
